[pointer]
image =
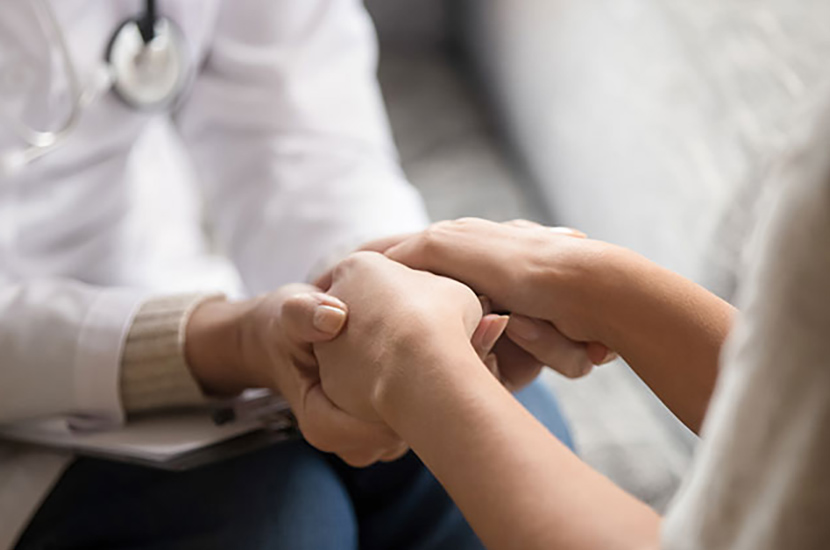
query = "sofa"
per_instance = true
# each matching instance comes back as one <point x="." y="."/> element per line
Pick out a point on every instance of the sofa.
<point x="648" y="123"/>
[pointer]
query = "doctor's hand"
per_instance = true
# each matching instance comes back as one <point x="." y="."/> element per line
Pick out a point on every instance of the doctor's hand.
<point x="524" y="268"/>
<point x="400" y="321"/>
<point x="267" y="342"/>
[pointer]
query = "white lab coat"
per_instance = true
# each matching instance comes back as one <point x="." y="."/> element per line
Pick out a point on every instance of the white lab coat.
<point x="289" y="147"/>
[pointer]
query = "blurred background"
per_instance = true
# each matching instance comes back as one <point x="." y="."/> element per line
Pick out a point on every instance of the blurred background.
<point x="648" y="123"/>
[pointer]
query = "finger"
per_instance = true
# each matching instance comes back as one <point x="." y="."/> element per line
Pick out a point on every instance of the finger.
<point x="488" y="332"/>
<point x="569" y="231"/>
<point x="312" y="317"/>
<point x="359" y="458"/>
<point x="363" y="458"/>
<point x="516" y="367"/>
<point x="599" y="354"/>
<point x="381" y="245"/>
<point x="325" y="280"/>
<point x="522" y="223"/>
<point x="331" y="430"/>
<point x="492" y="363"/>
<point x="458" y="249"/>
<point x="609" y="358"/>
<point x="395" y="454"/>
<point x="548" y="345"/>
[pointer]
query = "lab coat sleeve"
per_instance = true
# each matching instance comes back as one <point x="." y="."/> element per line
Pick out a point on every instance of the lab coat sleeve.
<point x="60" y="351"/>
<point x="290" y="139"/>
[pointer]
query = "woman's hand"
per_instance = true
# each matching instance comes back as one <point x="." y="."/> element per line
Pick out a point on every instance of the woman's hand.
<point x="668" y="329"/>
<point x="405" y="359"/>
<point x="532" y="343"/>
<point x="400" y="320"/>
<point x="522" y="268"/>
<point x="267" y="342"/>
<point x="505" y="262"/>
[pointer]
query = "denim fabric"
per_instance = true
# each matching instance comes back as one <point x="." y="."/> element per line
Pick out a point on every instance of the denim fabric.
<point x="288" y="496"/>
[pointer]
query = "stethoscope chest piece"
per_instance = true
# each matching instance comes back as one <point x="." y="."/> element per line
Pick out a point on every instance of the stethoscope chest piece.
<point x="148" y="75"/>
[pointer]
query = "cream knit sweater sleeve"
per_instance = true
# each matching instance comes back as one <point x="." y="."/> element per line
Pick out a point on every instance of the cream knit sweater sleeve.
<point x="154" y="373"/>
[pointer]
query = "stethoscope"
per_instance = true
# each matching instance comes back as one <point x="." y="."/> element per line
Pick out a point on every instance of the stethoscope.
<point x="146" y="64"/>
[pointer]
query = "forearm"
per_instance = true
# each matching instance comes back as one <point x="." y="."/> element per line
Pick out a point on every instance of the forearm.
<point x="516" y="484"/>
<point x="213" y="347"/>
<point x="183" y="348"/>
<point x="669" y="329"/>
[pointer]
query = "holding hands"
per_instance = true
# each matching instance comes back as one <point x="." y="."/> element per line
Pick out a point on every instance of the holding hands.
<point x="571" y="300"/>
<point x="411" y="303"/>
<point x="407" y="308"/>
<point x="399" y="320"/>
<point x="425" y="323"/>
<point x="533" y="271"/>
<point x="267" y="342"/>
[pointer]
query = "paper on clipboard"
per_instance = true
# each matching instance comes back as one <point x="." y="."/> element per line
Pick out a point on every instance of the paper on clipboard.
<point x="171" y="441"/>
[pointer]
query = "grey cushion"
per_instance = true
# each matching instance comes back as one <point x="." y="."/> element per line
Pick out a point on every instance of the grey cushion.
<point x="643" y="119"/>
<point x="450" y="153"/>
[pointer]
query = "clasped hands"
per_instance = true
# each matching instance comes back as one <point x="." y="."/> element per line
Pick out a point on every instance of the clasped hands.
<point x="377" y="323"/>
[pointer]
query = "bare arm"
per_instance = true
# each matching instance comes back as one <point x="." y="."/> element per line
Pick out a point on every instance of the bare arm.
<point x="517" y="485"/>
<point x="404" y="359"/>
<point x="668" y="329"/>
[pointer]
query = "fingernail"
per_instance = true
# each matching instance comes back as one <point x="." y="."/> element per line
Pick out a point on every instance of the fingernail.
<point x="494" y="332"/>
<point x="523" y="328"/>
<point x="329" y="319"/>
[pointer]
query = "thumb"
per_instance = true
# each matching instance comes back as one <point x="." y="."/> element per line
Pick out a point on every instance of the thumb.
<point x="313" y="317"/>
<point x="489" y="330"/>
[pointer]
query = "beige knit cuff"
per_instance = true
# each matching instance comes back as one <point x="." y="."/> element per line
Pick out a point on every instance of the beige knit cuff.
<point x="154" y="373"/>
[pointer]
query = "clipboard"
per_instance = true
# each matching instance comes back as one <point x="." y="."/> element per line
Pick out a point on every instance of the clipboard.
<point x="176" y="440"/>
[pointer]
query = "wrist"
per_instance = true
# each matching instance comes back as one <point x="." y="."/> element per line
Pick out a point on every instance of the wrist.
<point x="578" y="282"/>
<point x="604" y="288"/>
<point x="213" y="343"/>
<point x="444" y="362"/>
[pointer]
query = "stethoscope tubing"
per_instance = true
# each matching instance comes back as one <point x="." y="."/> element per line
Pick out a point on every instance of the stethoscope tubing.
<point x="40" y="142"/>
<point x="48" y="138"/>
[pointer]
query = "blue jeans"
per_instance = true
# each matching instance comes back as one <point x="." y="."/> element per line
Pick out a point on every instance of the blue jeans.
<point x="288" y="496"/>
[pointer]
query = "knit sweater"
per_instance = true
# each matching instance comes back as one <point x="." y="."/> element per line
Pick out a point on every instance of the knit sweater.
<point x="154" y="372"/>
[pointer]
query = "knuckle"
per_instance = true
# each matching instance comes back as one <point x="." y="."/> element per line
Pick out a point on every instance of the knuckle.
<point x="466" y="222"/>
<point x="357" y="261"/>
<point x="364" y="257"/>
<point x="293" y="305"/>
<point x="431" y="237"/>
<point x="464" y="292"/>
<point x="432" y="241"/>
<point x="524" y="223"/>
<point x="342" y="268"/>
<point x="296" y="316"/>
